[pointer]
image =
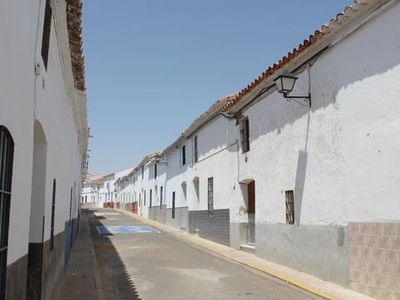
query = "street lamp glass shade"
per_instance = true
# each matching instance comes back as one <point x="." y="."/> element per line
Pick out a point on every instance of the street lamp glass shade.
<point x="285" y="82"/>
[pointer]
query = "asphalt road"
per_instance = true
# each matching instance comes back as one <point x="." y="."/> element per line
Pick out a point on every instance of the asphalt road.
<point x="160" y="266"/>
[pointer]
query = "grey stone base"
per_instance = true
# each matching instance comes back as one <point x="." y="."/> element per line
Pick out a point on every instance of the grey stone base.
<point x="157" y="213"/>
<point x="322" y="251"/>
<point x="239" y="234"/>
<point x="44" y="267"/>
<point x="53" y="264"/>
<point x="181" y="218"/>
<point x="214" y="227"/>
<point x="16" y="279"/>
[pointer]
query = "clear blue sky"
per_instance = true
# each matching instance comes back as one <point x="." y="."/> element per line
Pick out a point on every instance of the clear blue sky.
<point x="152" y="67"/>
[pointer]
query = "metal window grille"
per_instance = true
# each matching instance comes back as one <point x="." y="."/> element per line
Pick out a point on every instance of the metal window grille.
<point x="244" y="135"/>
<point x="6" y="168"/>
<point x="46" y="34"/>
<point x="210" y="193"/>
<point x="195" y="149"/>
<point x="289" y="207"/>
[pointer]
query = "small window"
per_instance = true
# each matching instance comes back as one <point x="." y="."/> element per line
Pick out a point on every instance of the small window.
<point x="53" y="212"/>
<point x="173" y="205"/>
<point x="155" y="170"/>
<point x="142" y="172"/>
<point x="210" y="194"/>
<point x="161" y="196"/>
<point x="183" y="155"/>
<point x="151" y="197"/>
<point x="244" y="135"/>
<point x="289" y="207"/>
<point x="46" y="34"/>
<point x="144" y="198"/>
<point x="196" y="157"/>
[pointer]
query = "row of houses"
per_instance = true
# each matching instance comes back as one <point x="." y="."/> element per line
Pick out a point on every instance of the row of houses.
<point x="43" y="141"/>
<point x="307" y="178"/>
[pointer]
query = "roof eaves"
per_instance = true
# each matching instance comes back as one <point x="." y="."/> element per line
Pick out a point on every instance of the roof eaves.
<point x="294" y="54"/>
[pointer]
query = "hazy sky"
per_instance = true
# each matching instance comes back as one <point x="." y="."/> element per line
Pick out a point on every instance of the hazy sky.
<point x="153" y="66"/>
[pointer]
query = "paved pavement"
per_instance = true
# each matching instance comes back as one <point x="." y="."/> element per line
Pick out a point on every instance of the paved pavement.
<point x="175" y="265"/>
<point x="81" y="279"/>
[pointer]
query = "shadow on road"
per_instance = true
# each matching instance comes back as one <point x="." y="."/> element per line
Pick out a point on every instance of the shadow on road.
<point x="116" y="281"/>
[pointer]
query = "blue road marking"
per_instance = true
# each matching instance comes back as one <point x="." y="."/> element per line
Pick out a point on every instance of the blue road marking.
<point x="125" y="229"/>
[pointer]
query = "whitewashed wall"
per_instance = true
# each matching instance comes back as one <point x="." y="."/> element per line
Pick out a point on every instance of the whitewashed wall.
<point x="44" y="98"/>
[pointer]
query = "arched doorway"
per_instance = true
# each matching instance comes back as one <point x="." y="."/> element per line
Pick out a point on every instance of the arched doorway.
<point x="37" y="219"/>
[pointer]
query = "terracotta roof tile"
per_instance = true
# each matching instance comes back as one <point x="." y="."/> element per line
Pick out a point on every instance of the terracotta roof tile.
<point x="313" y="38"/>
<point x="74" y="22"/>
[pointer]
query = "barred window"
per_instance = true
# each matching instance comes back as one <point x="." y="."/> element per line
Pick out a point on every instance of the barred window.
<point x="6" y="169"/>
<point x="46" y="33"/>
<point x="244" y="135"/>
<point x="289" y="207"/>
<point x="196" y="157"/>
<point x="210" y="193"/>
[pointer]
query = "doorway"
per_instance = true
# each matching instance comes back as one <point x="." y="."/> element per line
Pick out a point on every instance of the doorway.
<point x="251" y="212"/>
<point x="37" y="219"/>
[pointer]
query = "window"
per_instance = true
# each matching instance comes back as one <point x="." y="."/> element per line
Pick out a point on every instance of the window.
<point x="244" y="135"/>
<point x="151" y="197"/>
<point x="6" y="168"/>
<point x="142" y="172"/>
<point x="53" y="212"/>
<point x="173" y="205"/>
<point x="161" y="196"/>
<point x="289" y="207"/>
<point x="196" y="157"/>
<point x="210" y="194"/>
<point x="46" y="33"/>
<point x="155" y="170"/>
<point x="183" y="155"/>
<point x="144" y="198"/>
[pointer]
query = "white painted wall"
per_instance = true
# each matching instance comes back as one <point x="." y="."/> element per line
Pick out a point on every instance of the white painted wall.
<point x="44" y="98"/>
<point x="340" y="157"/>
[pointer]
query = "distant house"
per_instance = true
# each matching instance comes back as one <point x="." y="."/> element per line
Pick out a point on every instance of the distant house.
<point x="91" y="190"/>
<point x="43" y="142"/>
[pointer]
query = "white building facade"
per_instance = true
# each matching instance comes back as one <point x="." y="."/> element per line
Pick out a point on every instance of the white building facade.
<point x="313" y="187"/>
<point x="43" y="142"/>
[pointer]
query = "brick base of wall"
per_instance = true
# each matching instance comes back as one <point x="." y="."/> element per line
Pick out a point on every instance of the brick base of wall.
<point x="375" y="259"/>
<point x="214" y="227"/>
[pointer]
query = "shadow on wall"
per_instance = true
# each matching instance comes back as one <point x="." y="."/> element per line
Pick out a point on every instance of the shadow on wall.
<point x="116" y="281"/>
<point x="299" y="185"/>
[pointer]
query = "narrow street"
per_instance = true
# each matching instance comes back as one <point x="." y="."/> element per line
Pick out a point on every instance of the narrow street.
<point x="137" y="261"/>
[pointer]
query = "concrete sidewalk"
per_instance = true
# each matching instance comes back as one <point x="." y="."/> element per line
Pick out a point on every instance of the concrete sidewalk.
<point x="304" y="281"/>
<point x="81" y="279"/>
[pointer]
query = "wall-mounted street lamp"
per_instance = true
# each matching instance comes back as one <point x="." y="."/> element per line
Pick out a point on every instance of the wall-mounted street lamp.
<point x="285" y="83"/>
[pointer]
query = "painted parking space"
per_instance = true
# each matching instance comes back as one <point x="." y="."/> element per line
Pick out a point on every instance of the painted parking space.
<point x="125" y="229"/>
